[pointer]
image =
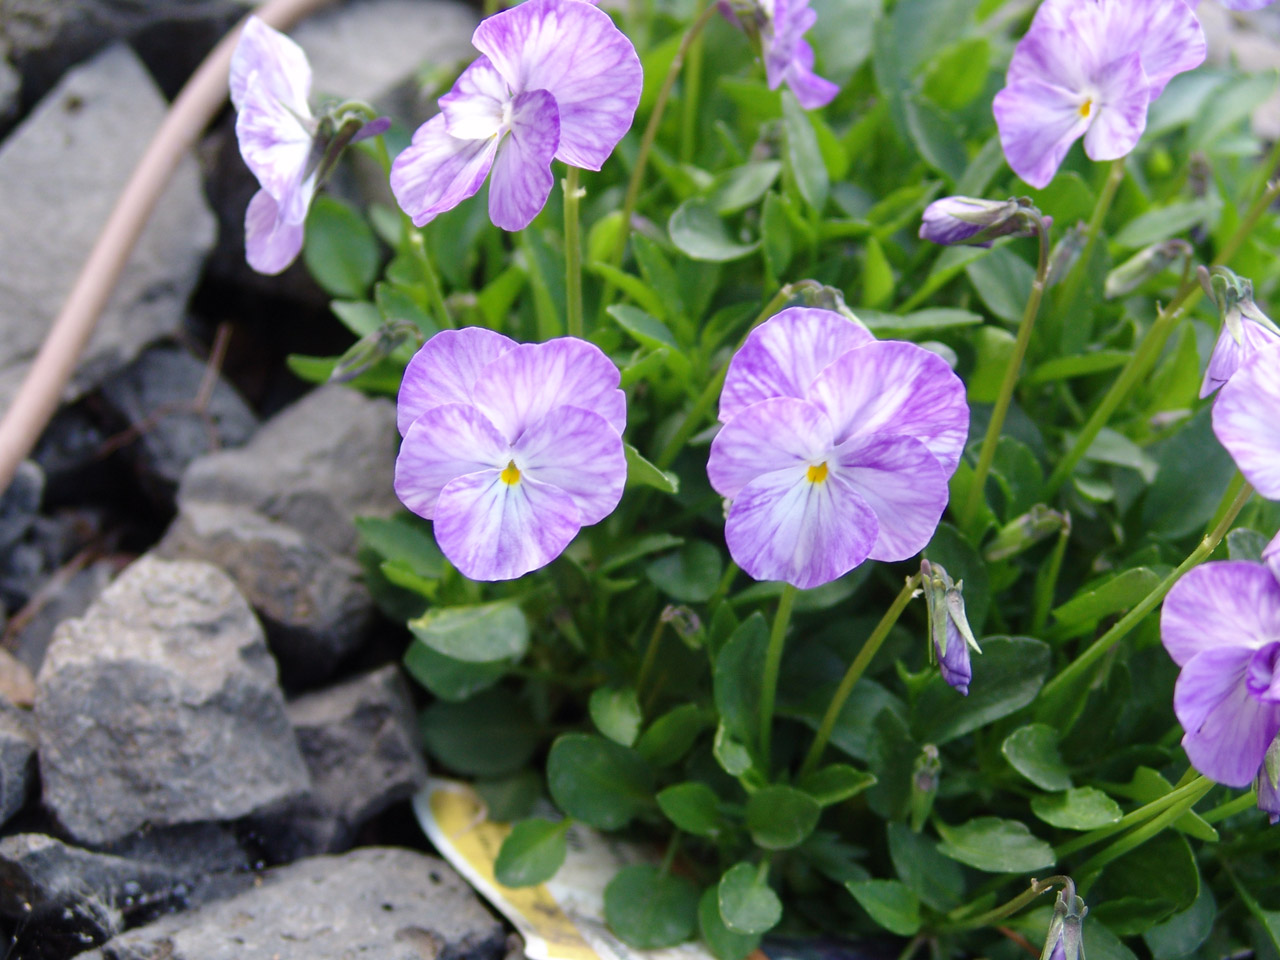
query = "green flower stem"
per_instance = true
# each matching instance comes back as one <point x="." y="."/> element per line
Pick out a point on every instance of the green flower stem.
<point x="1240" y="804"/>
<point x="1149" y="350"/>
<point x="722" y="588"/>
<point x="692" y="94"/>
<point x="1195" y="791"/>
<point x="855" y="672"/>
<point x="1038" y="888"/>
<point x="668" y="858"/>
<point x="772" y="664"/>
<point x="650" y="654"/>
<point x="702" y="405"/>
<point x="988" y="452"/>
<point x="1080" y="269"/>
<point x="572" y="253"/>
<point x="417" y="248"/>
<point x="1050" y="706"/>
<point x="1132" y="819"/>
<point x="1046" y="588"/>
<point x="646" y="142"/>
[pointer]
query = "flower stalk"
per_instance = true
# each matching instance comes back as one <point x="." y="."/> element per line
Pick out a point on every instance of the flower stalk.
<point x="573" y="195"/>
<point x="772" y="666"/>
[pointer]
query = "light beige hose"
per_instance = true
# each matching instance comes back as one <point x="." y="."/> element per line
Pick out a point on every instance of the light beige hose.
<point x="190" y="114"/>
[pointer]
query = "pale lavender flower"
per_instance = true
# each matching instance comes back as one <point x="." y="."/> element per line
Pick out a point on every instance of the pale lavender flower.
<point x="788" y="57"/>
<point x="1239" y="4"/>
<point x="1221" y="625"/>
<point x="1245" y="418"/>
<point x="270" y="80"/>
<point x="977" y="223"/>
<point x="1245" y="331"/>
<point x="1271" y="556"/>
<point x="835" y="447"/>
<point x="1090" y="68"/>
<point x="510" y="449"/>
<point x="557" y="80"/>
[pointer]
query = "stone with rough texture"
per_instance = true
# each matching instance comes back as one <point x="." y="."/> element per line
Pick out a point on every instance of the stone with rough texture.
<point x="62" y="170"/>
<point x="19" y="503"/>
<point x="161" y="706"/>
<point x="312" y="602"/>
<point x="17" y="759"/>
<point x="17" y="685"/>
<point x="155" y="396"/>
<point x="376" y="902"/>
<point x="360" y="742"/>
<point x="313" y="466"/>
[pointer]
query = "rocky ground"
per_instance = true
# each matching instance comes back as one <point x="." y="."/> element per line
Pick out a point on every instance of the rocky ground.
<point x="206" y="743"/>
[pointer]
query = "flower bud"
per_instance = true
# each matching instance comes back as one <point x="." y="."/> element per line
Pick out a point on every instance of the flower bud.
<point x="1064" y="254"/>
<point x="684" y="622"/>
<point x="950" y="637"/>
<point x="373" y="347"/>
<point x="1024" y="532"/>
<point x="926" y="773"/>
<point x="1144" y="265"/>
<point x="1064" y="941"/>
<point x="977" y="223"/>
<point x="1268" y="783"/>
<point x="1245" y="328"/>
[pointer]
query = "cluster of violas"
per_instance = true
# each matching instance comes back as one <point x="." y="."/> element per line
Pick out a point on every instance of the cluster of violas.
<point x="834" y="447"/>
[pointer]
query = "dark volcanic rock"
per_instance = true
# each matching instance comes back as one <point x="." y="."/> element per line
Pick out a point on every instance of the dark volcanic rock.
<point x="17" y="759"/>
<point x="373" y="902"/>
<point x="161" y="706"/>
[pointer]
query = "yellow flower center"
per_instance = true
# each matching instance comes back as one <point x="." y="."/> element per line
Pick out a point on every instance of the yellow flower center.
<point x="1086" y="108"/>
<point x="817" y="474"/>
<point x="510" y="473"/>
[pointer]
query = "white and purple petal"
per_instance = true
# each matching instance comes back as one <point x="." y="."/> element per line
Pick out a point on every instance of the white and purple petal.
<point x="784" y="355"/>
<point x="777" y="434"/>
<point x="1164" y="33"/>
<point x="1038" y="122"/>
<point x="437" y="171"/>
<point x="1228" y="731"/>
<point x="444" y="443"/>
<point x="1120" y="111"/>
<point x="494" y="530"/>
<point x="475" y="107"/>
<point x="954" y="663"/>
<point x="785" y="526"/>
<point x="529" y="381"/>
<point x="811" y="90"/>
<point x="1262" y="679"/>
<point x="1245" y="418"/>
<point x="573" y="51"/>
<point x="270" y="244"/>
<point x="276" y="146"/>
<point x="580" y="452"/>
<point x="267" y="59"/>
<point x="1271" y="557"/>
<point x="445" y="369"/>
<point x="1228" y="354"/>
<point x="521" y="179"/>
<point x="1227" y="603"/>
<point x="896" y="388"/>
<point x="902" y="482"/>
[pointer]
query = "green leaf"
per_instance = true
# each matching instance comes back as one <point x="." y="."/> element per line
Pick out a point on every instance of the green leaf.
<point x="918" y="322"/>
<point x="1006" y="677"/>
<point x="1147" y="785"/>
<point x="730" y="754"/>
<point x="1182" y="934"/>
<point x="693" y="807"/>
<point x="616" y="713"/>
<point x="382" y="378"/>
<point x="649" y="909"/>
<point x="657" y="273"/>
<point x="803" y="154"/>
<point x="671" y="736"/>
<point x="936" y="136"/>
<point x="631" y="285"/>
<point x="1121" y="592"/>
<point x="891" y="904"/>
<point x="1003" y="281"/>
<point x="1081" y="808"/>
<point x="396" y="303"/>
<point x="1081" y="365"/>
<point x="690" y="575"/>
<point x="597" y="781"/>
<point x="995" y="846"/>
<point x="1163" y="223"/>
<point x="775" y="232"/>
<point x="1245" y="544"/>
<point x="487" y="736"/>
<point x="736" y="679"/>
<point x="836" y="783"/>
<point x="747" y="903"/>
<point x="994" y="347"/>
<point x="532" y="853"/>
<point x="640" y="472"/>
<point x="403" y="538"/>
<point x="1231" y="104"/>
<point x="1193" y="471"/>
<point x="877" y="275"/>
<point x="651" y="332"/>
<point x="1033" y="751"/>
<point x="957" y="75"/>
<point x="743" y="186"/>
<point x="359" y="316"/>
<point x="698" y="232"/>
<point x="448" y="678"/>
<point x="1147" y="885"/>
<point x="779" y="817"/>
<point x="724" y="943"/>
<point x="478" y="634"/>
<point x="511" y="797"/>
<point x="937" y="880"/>
<point x="339" y="248"/>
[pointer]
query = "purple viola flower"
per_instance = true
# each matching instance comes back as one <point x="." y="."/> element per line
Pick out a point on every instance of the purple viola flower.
<point x="557" y="80"/>
<point x="510" y="449"/>
<point x="1245" y="331"/>
<point x="1245" y="417"/>
<point x="835" y="447"/>
<point x="788" y="57"/>
<point x="270" y="80"/>
<point x="1221" y="625"/>
<point x="1239" y="5"/>
<point x="1090" y="68"/>
<point x="1271" y="556"/>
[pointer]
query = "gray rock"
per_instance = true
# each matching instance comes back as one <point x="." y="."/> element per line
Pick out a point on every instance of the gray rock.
<point x="63" y="169"/>
<point x="71" y="599"/>
<point x="312" y="602"/>
<point x="17" y="759"/>
<point x="313" y="466"/>
<point x="19" y="503"/>
<point x="160" y="706"/>
<point x="378" y="902"/>
<point x="154" y="396"/>
<point x="360" y="742"/>
<point x="10" y="86"/>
